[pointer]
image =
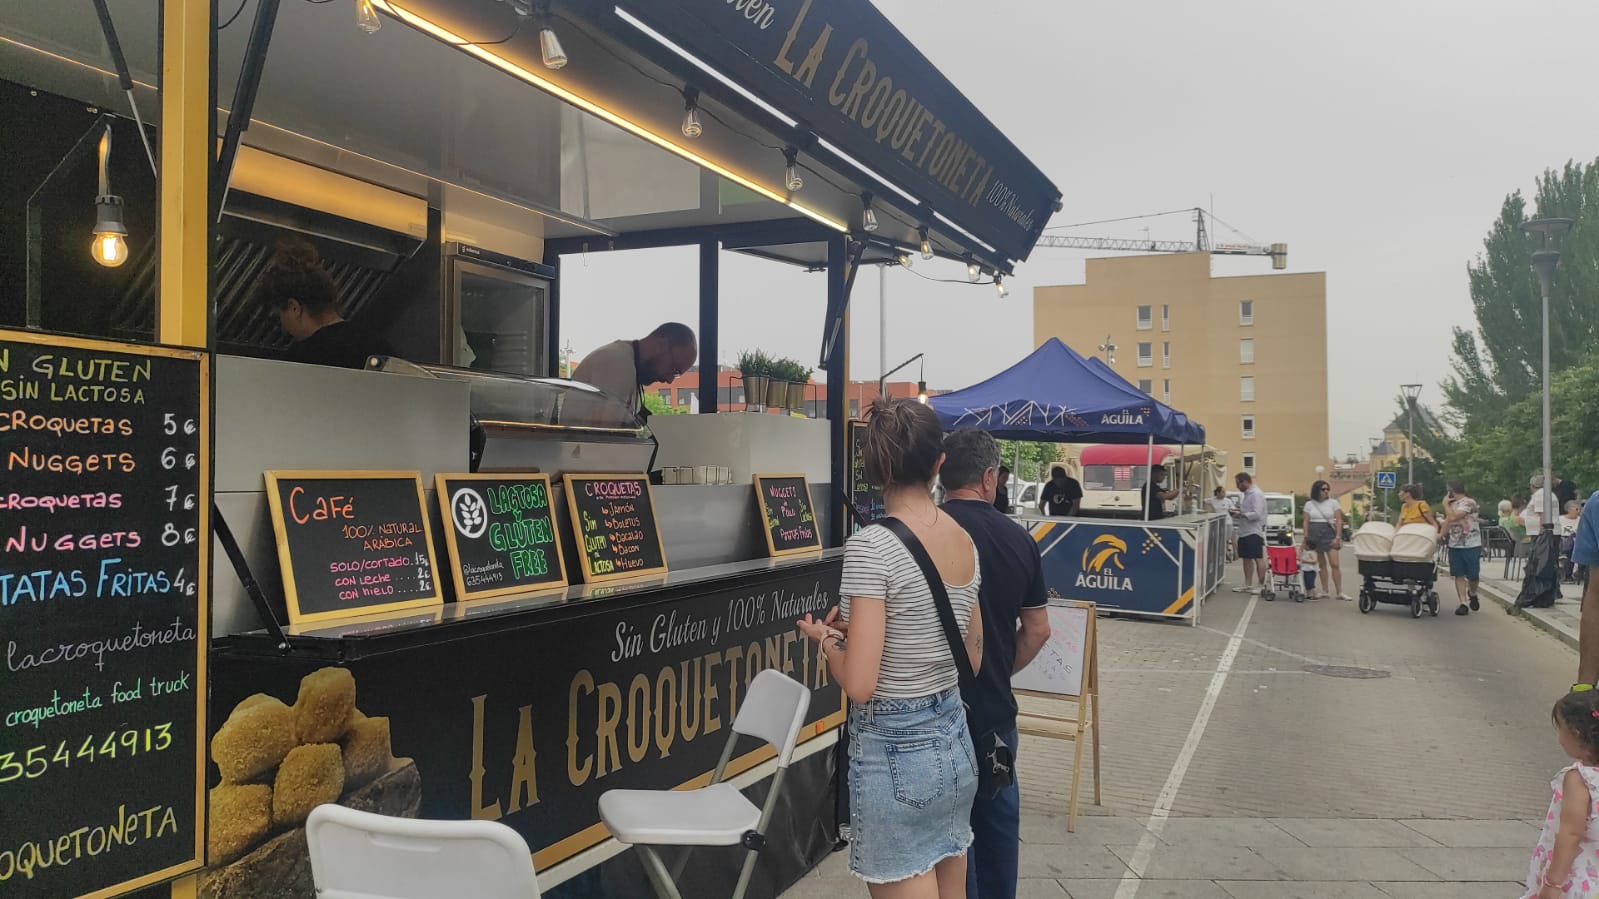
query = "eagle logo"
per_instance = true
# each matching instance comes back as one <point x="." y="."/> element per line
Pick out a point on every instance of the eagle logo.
<point x="1106" y="550"/>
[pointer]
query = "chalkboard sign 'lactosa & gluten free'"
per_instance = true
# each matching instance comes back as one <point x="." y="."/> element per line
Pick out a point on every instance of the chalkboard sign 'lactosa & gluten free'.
<point x="352" y="542"/>
<point x="613" y="519"/>
<point x="501" y="533"/>
<point x="103" y="541"/>
<point x="786" y="515"/>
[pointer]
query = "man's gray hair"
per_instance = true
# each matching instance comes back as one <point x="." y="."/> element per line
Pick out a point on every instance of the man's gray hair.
<point x="1536" y="482"/>
<point x="968" y="453"/>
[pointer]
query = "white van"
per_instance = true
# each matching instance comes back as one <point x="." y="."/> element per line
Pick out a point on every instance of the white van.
<point x="1280" y="518"/>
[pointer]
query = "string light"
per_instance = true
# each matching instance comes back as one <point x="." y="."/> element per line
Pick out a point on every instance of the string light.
<point x="999" y="285"/>
<point x="927" y="245"/>
<point x="110" y="247"/>
<point x="550" y="49"/>
<point x="791" y="175"/>
<point x="904" y="260"/>
<point x="868" y="215"/>
<point x="366" y="17"/>
<point x="973" y="270"/>
<point x="691" y="113"/>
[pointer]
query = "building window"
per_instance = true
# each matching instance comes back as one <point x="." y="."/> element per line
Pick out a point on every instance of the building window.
<point x="666" y="395"/>
<point x="732" y="395"/>
<point x="1165" y="317"/>
<point x="1165" y="392"/>
<point x="854" y="408"/>
<point x="1249" y="427"/>
<point x="1147" y="386"/>
<point x="1146" y="354"/>
<point x="686" y="395"/>
<point x="1165" y="354"/>
<point x="1145" y="320"/>
<point x="1246" y="312"/>
<point x="1246" y="351"/>
<point x="1249" y="462"/>
<point x="1246" y="389"/>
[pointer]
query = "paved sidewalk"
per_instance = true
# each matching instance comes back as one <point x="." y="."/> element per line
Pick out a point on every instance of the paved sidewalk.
<point x="1561" y="620"/>
<point x="1254" y="858"/>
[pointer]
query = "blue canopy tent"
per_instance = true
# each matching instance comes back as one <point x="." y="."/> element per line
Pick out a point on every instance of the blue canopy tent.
<point x="1057" y="395"/>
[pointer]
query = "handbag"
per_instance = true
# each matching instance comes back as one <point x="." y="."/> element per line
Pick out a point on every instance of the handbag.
<point x="996" y="760"/>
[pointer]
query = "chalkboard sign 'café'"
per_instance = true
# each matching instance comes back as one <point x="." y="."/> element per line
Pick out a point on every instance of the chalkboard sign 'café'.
<point x="305" y="479"/>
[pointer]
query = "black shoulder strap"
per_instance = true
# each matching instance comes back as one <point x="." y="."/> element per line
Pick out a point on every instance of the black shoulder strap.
<point x="946" y="611"/>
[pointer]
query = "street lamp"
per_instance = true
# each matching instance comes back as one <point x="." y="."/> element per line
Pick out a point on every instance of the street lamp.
<point x="921" y="379"/>
<point x="1411" y="391"/>
<point x="1109" y="349"/>
<point x="1371" y="463"/>
<point x="1544" y="261"/>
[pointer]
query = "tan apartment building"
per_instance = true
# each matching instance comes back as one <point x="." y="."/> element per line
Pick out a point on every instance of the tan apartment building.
<point x="1244" y="356"/>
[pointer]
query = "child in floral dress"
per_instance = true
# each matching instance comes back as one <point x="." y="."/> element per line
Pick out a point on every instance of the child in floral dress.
<point x="1565" y="863"/>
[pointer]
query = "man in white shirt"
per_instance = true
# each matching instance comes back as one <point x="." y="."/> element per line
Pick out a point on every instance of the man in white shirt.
<point x="1251" y="519"/>
<point x="621" y="367"/>
<point x="1532" y="516"/>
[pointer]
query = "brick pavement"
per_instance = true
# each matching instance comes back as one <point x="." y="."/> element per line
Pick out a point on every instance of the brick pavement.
<point x="1422" y="781"/>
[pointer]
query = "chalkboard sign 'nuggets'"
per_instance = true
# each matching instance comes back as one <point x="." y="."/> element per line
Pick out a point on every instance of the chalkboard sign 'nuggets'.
<point x="103" y="504"/>
<point x="613" y="519"/>
<point x="352" y="542"/>
<point x="786" y="514"/>
<point x="501" y="533"/>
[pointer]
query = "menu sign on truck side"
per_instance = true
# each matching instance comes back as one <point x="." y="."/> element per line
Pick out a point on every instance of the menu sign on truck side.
<point x="786" y="516"/>
<point x="865" y="497"/>
<point x="352" y="542"/>
<point x="501" y="532"/>
<point x="613" y="519"/>
<point x="103" y="541"/>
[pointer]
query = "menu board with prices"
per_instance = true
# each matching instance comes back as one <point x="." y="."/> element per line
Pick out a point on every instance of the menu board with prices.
<point x="786" y="515"/>
<point x="613" y="519"/>
<point x="500" y="529"/>
<point x="103" y="557"/>
<point x="352" y="542"/>
<point x="865" y="497"/>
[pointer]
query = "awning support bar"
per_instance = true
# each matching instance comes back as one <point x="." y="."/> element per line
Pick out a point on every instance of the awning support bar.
<point x="255" y="52"/>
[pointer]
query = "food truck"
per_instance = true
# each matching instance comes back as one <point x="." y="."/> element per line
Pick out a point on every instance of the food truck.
<point x="444" y="584"/>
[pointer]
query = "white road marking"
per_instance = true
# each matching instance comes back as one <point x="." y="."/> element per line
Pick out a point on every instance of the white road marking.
<point x="1267" y="646"/>
<point x="1156" y="825"/>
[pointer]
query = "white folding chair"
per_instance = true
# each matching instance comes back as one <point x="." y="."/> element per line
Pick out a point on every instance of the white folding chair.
<point x="717" y="815"/>
<point x="359" y="855"/>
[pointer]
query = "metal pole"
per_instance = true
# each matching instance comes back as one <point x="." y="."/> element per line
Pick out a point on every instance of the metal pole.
<point x="882" y="320"/>
<point x="1548" y="463"/>
<point x="1410" y="424"/>
<point x="1149" y="474"/>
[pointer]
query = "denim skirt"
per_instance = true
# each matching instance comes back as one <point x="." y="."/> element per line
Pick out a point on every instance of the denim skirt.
<point x="912" y="778"/>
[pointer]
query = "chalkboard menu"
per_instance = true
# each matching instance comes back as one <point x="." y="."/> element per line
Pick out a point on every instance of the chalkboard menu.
<point x="786" y="515"/>
<point x="352" y="542"/>
<point x="865" y="497"/>
<point x="103" y="559"/>
<point x="613" y="520"/>
<point x="501" y="532"/>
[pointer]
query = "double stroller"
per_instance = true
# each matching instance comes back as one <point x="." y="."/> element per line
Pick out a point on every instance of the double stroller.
<point x="1398" y="567"/>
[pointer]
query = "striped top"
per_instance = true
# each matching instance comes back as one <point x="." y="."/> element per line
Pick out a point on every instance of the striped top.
<point x="916" y="658"/>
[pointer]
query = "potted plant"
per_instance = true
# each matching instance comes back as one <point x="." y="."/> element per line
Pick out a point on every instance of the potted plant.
<point x="755" y="370"/>
<point x="798" y="376"/>
<point x="777" y="386"/>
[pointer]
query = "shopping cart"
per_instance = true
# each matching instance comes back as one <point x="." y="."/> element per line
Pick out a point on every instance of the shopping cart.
<point x="1284" y="574"/>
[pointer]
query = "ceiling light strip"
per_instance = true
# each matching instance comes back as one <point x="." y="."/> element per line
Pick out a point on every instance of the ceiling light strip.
<point x="595" y="109"/>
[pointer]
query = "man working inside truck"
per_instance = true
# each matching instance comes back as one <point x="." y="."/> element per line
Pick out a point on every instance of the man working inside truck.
<point x="622" y="367"/>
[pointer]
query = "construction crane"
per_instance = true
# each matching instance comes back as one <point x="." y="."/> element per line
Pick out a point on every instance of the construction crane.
<point x="1200" y="244"/>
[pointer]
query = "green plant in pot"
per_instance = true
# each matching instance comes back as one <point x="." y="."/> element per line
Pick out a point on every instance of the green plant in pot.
<point x="777" y="387"/>
<point x="755" y="370"/>
<point x="798" y="375"/>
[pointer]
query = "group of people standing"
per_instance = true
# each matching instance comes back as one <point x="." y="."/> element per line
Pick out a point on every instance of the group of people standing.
<point x="928" y="594"/>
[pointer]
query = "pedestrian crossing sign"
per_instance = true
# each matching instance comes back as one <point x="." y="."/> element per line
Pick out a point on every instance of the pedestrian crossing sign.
<point x="1387" y="480"/>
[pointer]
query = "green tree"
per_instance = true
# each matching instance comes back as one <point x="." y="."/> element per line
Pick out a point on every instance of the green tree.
<point x="1028" y="460"/>
<point x="658" y="406"/>
<point x="1499" y="362"/>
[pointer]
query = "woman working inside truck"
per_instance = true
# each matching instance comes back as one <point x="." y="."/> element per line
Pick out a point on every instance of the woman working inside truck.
<point x="301" y="293"/>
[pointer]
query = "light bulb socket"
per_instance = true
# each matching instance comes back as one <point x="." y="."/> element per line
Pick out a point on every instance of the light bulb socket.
<point x="108" y="216"/>
<point x="868" y="215"/>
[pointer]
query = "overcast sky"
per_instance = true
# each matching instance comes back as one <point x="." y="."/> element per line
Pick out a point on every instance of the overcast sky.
<point x="1377" y="138"/>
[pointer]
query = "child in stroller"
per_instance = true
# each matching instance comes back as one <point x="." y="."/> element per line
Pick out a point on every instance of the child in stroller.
<point x="1284" y="574"/>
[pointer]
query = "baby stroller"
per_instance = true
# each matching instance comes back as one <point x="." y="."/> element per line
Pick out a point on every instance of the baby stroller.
<point x="1284" y="574"/>
<point x="1398" y="567"/>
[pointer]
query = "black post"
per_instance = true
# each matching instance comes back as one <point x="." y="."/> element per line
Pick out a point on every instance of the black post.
<point x="552" y="330"/>
<point x="710" y="330"/>
<point x="243" y="106"/>
<point x="837" y="385"/>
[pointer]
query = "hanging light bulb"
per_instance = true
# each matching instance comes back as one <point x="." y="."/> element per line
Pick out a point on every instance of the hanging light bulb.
<point x="973" y="272"/>
<point x="927" y="245"/>
<point x="999" y="285"/>
<point x="921" y="392"/>
<point x="904" y="259"/>
<point x="550" y="49"/>
<point x="691" y="113"/>
<point x="868" y="216"/>
<point x="110" y="247"/>
<point x="791" y="175"/>
<point x="366" y="17"/>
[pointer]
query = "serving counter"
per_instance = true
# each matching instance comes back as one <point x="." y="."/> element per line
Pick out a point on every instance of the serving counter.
<point x="1162" y="569"/>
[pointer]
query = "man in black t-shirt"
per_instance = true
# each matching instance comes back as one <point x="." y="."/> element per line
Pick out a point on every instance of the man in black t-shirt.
<point x="1002" y="492"/>
<point x="1062" y="495"/>
<point x="1015" y="625"/>
<point x="1155" y="495"/>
